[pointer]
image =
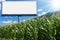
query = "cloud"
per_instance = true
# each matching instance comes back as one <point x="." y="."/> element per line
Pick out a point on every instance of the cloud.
<point x="39" y="10"/>
<point x="8" y="17"/>
<point x="39" y="14"/>
<point x="9" y="22"/>
<point x="43" y="13"/>
<point x="24" y="20"/>
<point x="15" y="22"/>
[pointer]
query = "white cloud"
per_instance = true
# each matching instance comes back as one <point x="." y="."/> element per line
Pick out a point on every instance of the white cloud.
<point x="8" y="17"/>
<point x="24" y="20"/>
<point x="5" y="17"/>
<point x="44" y="13"/>
<point x="15" y="22"/>
<point x="9" y="22"/>
<point x="39" y="14"/>
<point x="39" y="10"/>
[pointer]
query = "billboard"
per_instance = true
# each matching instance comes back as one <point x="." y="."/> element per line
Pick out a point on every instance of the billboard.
<point x="19" y="7"/>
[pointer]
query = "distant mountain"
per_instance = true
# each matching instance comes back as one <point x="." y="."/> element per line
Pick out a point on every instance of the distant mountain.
<point x="51" y="14"/>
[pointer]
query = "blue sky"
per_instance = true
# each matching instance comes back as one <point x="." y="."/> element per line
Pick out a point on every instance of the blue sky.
<point x="20" y="0"/>
<point x="44" y="6"/>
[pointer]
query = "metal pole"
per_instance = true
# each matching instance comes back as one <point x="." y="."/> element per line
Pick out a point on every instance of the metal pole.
<point x="18" y="19"/>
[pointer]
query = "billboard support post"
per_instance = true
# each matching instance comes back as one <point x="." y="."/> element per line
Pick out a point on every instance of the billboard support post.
<point x="18" y="19"/>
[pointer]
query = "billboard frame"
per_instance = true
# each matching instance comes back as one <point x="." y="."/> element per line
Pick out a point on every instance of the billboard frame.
<point x="21" y="14"/>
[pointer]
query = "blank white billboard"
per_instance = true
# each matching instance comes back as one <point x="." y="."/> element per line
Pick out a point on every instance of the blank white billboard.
<point x="19" y="8"/>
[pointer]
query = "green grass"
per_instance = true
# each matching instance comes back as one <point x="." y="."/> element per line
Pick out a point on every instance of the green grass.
<point x="44" y="28"/>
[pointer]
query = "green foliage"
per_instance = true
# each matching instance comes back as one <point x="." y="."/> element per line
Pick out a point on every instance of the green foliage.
<point x="45" y="28"/>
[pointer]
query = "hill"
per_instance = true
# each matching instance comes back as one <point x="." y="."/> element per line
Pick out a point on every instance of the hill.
<point x="41" y="28"/>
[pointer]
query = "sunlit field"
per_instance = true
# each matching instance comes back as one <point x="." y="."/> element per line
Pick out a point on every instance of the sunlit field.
<point x="41" y="28"/>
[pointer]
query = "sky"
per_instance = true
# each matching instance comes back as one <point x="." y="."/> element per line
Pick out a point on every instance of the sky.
<point x="43" y="7"/>
<point x="20" y="0"/>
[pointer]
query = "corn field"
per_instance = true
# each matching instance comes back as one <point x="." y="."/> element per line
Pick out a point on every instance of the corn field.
<point x="44" y="28"/>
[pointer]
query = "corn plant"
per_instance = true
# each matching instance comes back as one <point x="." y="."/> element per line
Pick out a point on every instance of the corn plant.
<point x="44" y="28"/>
